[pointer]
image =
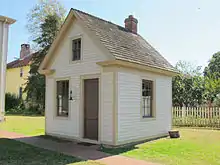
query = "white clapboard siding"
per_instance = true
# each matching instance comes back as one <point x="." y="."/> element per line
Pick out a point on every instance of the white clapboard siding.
<point x="131" y="126"/>
<point x="107" y="107"/>
<point x="91" y="54"/>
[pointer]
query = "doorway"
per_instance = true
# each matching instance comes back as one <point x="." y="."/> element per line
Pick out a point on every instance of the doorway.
<point x="91" y="108"/>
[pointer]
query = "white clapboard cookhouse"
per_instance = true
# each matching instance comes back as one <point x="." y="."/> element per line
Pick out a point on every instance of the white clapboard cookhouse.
<point x="105" y="83"/>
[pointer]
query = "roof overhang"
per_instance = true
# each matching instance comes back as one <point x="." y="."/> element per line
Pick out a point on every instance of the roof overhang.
<point x="7" y="20"/>
<point x="46" y="71"/>
<point x="132" y="65"/>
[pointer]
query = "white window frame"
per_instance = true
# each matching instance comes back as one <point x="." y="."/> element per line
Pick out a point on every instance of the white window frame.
<point x="71" y="61"/>
<point x="55" y="98"/>
<point x="153" y="116"/>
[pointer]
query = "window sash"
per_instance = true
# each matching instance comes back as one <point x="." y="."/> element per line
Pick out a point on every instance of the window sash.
<point x="76" y="49"/>
<point x="147" y="98"/>
<point x="63" y="98"/>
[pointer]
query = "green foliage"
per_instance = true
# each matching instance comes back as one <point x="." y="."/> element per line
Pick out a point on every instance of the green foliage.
<point x="16" y="106"/>
<point x="38" y="14"/>
<point x="217" y="100"/>
<point x="188" y="86"/>
<point x="212" y="87"/>
<point x="11" y="101"/>
<point x="213" y="67"/>
<point x="191" y="88"/>
<point x="188" y="68"/>
<point x="35" y="87"/>
<point x="22" y="110"/>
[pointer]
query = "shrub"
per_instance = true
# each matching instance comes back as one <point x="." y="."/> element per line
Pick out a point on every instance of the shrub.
<point x="11" y="101"/>
<point x="16" y="106"/>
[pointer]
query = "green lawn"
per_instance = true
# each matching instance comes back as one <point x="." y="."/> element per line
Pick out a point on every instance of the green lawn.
<point x="197" y="147"/>
<point x="17" y="153"/>
<point x="24" y="125"/>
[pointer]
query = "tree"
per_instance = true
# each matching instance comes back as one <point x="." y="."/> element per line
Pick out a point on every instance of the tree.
<point x="212" y="79"/>
<point x="217" y="101"/>
<point x="212" y="87"/>
<point x="38" y="14"/>
<point x="188" y="68"/>
<point x="35" y="87"/>
<point x="187" y="86"/>
<point x="213" y="66"/>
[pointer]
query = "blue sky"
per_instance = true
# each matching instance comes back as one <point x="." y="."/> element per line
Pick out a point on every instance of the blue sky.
<point x="180" y="30"/>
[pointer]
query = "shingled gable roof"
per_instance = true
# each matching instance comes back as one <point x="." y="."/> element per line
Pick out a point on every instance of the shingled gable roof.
<point x="121" y="43"/>
<point x="20" y="62"/>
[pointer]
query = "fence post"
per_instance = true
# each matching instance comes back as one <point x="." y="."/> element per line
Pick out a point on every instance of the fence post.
<point x="183" y="110"/>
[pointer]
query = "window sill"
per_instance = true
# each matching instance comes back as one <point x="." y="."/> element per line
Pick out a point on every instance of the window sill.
<point x="75" y="62"/>
<point x="62" y="117"/>
<point x="147" y="118"/>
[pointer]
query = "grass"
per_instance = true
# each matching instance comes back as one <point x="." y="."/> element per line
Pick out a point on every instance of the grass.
<point x="24" y="125"/>
<point x="196" y="146"/>
<point x="17" y="153"/>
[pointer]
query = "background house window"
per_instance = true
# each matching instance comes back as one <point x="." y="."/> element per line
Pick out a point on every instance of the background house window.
<point x="21" y="72"/>
<point x="63" y="98"/>
<point x="20" y="93"/>
<point x="147" y="98"/>
<point x="76" y="49"/>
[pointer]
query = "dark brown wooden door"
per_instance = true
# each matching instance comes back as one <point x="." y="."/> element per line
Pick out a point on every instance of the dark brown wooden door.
<point x="91" y="106"/>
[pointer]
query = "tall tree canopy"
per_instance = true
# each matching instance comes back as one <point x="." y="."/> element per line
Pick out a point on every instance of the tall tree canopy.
<point x="36" y="83"/>
<point x="213" y="67"/>
<point x="188" y="68"/>
<point x="188" y="85"/>
<point x="191" y="88"/>
<point x="38" y="14"/>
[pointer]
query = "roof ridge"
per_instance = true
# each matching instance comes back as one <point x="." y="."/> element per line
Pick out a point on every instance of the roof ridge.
<point x="101" y="19"/>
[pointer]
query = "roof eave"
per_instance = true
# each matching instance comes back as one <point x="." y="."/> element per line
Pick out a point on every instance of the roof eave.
<point x="47" y="71"/>
<point x="7" y="20"/>
<point x="133" y="65"/>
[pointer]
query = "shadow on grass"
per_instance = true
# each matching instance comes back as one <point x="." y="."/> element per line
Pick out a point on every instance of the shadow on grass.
<point x="120" y="150"/>
<point x="13" y="152"/>
<point x="127" y="148"/>
<point x="53" y="138"/>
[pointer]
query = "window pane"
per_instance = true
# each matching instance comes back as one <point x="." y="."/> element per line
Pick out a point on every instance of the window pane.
<point x="63" y="98"/>
<point x="79" y="44"/>
<point x="147" y="97"/>
<point x="76" y="48"/>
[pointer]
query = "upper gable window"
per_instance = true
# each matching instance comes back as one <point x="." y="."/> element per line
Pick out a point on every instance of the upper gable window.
<point x="76" y="49"/>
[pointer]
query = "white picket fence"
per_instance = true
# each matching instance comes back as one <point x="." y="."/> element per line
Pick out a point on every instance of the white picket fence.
<point x="196" y="116"/>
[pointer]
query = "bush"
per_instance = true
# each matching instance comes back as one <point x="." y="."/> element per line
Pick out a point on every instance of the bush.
<point x="11" y="101"/>
<point x="16" y="106"/>
<point x="217" y="101"/>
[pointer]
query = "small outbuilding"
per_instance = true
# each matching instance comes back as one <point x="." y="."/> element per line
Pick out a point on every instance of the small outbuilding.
<point x="105" y="83"/>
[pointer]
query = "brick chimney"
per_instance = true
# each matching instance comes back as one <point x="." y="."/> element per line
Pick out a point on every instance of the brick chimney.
<point x="25" y="50"/>
<point x="131" y="24"/>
